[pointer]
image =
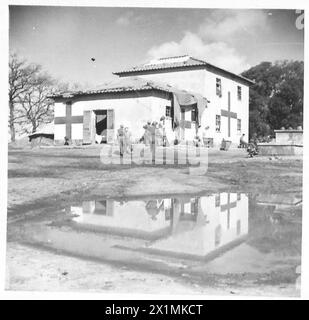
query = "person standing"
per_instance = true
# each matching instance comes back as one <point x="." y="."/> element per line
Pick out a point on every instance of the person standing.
<point x="66" y="141"/>
<point x="205" y="137"/>
<point x="242" y="142"/>
<point x="152" y="136"/>
<point x="121" y="140"/>
<point x="158" y="134"/>
<point x="163" y="131"/>
<point x="147" y="138"/>
<point x="128" y="140"/>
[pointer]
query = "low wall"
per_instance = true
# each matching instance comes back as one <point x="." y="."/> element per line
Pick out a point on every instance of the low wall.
<point x="266" y="149"/>
<point x="284" y="137"/>
<point x="74" y="142"/>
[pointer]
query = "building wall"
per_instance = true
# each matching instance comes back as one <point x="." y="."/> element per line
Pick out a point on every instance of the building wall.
<point x="132" y="112"/>
<point x="190" y="80"/>
<point x="59" y="111"/>
<point x="204" y="82"/>
<point x="135" y="111"/>
<point x="241" y="107"/>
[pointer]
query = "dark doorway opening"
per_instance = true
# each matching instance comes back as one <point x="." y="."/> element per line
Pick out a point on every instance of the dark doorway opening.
<point x="101" y="123"/>
<point x="101" y="208"/>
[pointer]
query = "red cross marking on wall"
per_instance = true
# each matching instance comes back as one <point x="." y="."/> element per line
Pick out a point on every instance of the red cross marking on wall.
<point x="229" y="114"/>
<point x="68" y="120"/>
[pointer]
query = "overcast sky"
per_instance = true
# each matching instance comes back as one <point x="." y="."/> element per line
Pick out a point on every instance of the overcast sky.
<point x="64" y="39"/>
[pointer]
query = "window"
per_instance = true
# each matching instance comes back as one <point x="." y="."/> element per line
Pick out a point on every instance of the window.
<point x="168" y="111"/>
<point x="218" y="123"/>
<point x="239" y="125"/>
<point x="239" y="92"/>
<point x="193" y="115"/>
<point x="218" y="87"/>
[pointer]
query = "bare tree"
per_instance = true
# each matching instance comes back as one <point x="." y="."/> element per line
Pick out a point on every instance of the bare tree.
<point x="29" y="87"/>
<point x="34" y="106"/>
<point x="20" y="81"/>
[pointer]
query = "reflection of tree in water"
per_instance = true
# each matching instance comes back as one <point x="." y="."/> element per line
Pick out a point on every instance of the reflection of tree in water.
<point x="272" y="232"/>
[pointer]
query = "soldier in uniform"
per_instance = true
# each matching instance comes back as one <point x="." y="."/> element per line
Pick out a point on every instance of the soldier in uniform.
<point x="121" y="140"/>
<point x="128" y="140"/>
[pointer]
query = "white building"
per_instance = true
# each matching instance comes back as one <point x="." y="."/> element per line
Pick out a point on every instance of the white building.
<point x="147" y="92"/>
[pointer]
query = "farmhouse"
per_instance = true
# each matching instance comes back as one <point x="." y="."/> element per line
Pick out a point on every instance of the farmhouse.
<point x="193" y="95"/>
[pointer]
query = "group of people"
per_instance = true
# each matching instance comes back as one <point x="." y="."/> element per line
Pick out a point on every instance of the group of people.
<point x="155" y="133"/>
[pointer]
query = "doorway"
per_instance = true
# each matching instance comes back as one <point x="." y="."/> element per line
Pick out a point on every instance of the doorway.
<point x="101" y="124"/>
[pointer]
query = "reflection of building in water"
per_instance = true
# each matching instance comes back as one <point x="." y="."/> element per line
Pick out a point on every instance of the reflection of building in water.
<point x="185" y="225"/>
<point x="215" y="222"/>
<point x="147" y="219"/>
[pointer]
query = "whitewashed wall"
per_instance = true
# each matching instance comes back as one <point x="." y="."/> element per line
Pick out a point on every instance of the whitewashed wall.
<point x="241" y="107"/>
<point x="131" y="112"/>
<point x="204" y="82"/>
<point x="59" y="111"/>
<point x="190" y="80"/>
<point x="135" y="112"/>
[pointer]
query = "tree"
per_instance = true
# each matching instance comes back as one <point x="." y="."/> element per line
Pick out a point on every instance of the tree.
<point x="276" y="98"/>
<point x="29" y="88"/>
<point x="20" y="81"/>
<point x="35" y="107"/>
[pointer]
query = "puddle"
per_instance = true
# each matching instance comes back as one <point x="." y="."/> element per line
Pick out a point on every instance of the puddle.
<point x="183" y="226"/>
<point x="223" y="233"/>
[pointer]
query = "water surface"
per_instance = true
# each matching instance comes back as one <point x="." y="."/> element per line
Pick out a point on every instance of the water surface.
<point x="220" y="234"/>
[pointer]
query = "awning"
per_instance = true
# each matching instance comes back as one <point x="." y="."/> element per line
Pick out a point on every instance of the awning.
<point x="184" y="99"/>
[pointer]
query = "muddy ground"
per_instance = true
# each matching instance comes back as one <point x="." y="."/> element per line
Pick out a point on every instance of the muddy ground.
<point x="41" y="180"/>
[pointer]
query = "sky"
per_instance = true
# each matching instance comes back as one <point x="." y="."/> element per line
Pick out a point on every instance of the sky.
<point x="64" y="39"/>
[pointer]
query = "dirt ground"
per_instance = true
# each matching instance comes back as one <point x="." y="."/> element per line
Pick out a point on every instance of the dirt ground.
<point x="41" y="179"/>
